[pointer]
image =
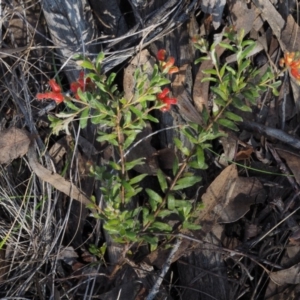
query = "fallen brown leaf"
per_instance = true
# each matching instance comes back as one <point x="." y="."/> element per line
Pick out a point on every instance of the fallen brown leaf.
<point x="14" y="143"/>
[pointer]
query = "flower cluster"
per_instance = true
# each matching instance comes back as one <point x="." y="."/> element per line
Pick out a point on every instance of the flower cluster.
<point x="167" y="67"/>
<point x="163" y="96"/>
<point x="291" y="60"/>
<point x="56" y="91"/>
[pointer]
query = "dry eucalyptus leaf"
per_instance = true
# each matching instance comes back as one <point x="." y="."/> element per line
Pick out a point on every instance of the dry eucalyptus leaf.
<point x="229" y="197"/>
<point x="14" y="143"/>
<point x="286" y="276"/>
<point x="271" y="15"/>
<point x="293" y="162"/>
<point x="242" y="16"/>
<point x="246" y="192"/>
<point x="290" y="36"/>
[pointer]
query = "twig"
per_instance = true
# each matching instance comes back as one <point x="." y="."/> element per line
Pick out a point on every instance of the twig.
<point x="165" y="269"/>
<point x="271" y="132"/>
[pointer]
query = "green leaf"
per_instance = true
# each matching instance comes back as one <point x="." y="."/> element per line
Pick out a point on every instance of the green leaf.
<point x="222" y="71"/>
<point x="191" y="226"/>
<point x="84" y="118"/>
<point x="214" y="57"/>
<point x="111" y="78"/>
<point x="226" y="46"/>
<point x="186" y="182"/>
<point x="151" y="118"/>
<point x="161" y="226"/>
<point x="163" y="81"/>
<point x="220" y="102"/>
<point x="231" y="70"/>
<point x="205" y="115"/>
<point x="164" y="213"/>
<point x="201" y="59"/>
<point x="162" y="180"/>
<point x="220" y="93"/>
<point x="185" y="204"/>
<point x="276" y="84"/>
<point x="147" y="98"/>
<point x="249" y="96"/>
<point x="171" y="202"/>
<point x="205" y="79"/>
<point x="243" y="66"/>
<point x="179" y="145"/>
<point x="265" y="76"/>
<point x="210" y="72"/>
<point x="129" y="140"/>
<point x="245" y="108"/>
<point x="131" y="164"/>
<point x="136" y="111"/>
<point x="227" y="123"/>
<point x="137" y="179"/>
<point x="175" y="166"/>
<point x="115" y="166"/>
<point x="200" y="156"/>
<point x="131" y="235"/>
<point x="275" y="92"/>
<point x="247" y="51"/>
<point x="152" y="240"/>
<point x="233" y="117"/>
<point x="71" y="105"/>
<point x="154" y="196"/>
<point x="194" y="164"/>
<point x="106" y="137"/>
<point x="99" y="60"/>
<point x="87" y="64"/>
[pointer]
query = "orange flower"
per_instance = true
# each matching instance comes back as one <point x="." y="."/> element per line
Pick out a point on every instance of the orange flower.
<point x="291" y="60"/>
<point x="55" y="94"/>
<point x="173" y="69"/>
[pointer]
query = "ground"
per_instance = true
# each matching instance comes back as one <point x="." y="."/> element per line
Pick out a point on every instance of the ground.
<point x="54" y="242"/>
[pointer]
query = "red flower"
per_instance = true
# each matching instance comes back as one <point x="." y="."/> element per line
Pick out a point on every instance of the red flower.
<point x="161" y="54"/>
<point x="165" y="99"/>
<point x="81" y="83"/>
<point x="168" y="100"/>
<point x="163" y="94"/>
<point x="55" y="87"/>
<point x="55" y="95"/>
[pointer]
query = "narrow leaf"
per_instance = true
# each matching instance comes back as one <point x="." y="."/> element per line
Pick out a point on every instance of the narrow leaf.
<point x="154" y="196"/>
<point x="186" y="182"/>
<point x="162" y="180"/>
<point x="233" y="116"/>
<point x="227" y="123"/>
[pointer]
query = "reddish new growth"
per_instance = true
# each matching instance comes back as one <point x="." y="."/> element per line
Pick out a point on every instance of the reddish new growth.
<point x="167" y="67"/>
<point x="292" y="61"/>
<point x="55" y="94"/>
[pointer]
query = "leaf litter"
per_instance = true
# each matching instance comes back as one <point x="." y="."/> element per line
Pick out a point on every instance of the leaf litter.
<point x="249" y="217"/>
